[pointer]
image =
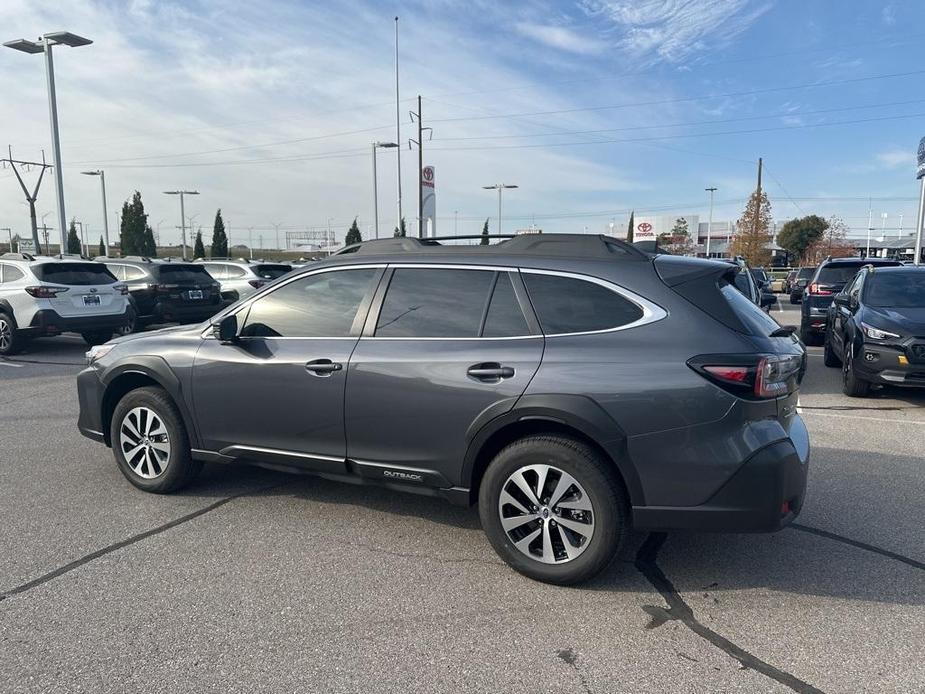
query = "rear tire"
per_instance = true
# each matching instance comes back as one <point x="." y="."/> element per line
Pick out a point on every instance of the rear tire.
<point x="11" y="339"/>
<point x="828" y="354"/>
<point x="852" y="385"/>
<point x="595" y="506"/>
<point x="808" y="336"/>
<point x="150" y="442"/>
<point x="97" y="337"/>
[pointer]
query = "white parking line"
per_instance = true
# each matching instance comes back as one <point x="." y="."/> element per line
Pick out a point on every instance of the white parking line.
<point x="804" y="412"/>
<point x="8" y="363"/>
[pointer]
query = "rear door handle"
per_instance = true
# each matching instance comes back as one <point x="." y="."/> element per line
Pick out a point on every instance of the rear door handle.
<point x="323" y="367"/>
<point x="490" y="371"/>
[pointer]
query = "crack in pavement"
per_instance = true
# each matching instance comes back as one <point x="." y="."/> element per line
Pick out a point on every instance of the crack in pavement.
<point x="570" y="658"/>
<point x="860" y="545"/>
<point x="109" y="549"/>
<point x="679" y="610"/>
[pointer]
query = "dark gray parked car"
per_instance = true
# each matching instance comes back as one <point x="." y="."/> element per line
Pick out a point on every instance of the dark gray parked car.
<point x="571" y="386"/>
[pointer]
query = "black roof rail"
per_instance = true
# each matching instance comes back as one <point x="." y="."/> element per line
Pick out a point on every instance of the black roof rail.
<point x="566" y="245"/>
<point x="18" y="256"/>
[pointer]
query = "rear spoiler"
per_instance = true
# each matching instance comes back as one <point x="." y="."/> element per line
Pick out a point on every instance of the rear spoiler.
<point x="697" y="280"/>
<point x="674" y="270"/>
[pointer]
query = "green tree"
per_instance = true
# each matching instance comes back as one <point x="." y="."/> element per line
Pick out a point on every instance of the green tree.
<point x="73" y="241"/>
<point x="199" y="250"/>
<point x="353" y="234"/>
<point x="797" y="235"/>
<point x="484" y="241"/>
<point x="219" y="238"/>
<point x="400" y="231"/>
<point x="102" y="250"/>
<point x="135" y="235"/>
<point x="753" y="231"/>
<point x="678" y="241"/>
<point x="629" y="229"/>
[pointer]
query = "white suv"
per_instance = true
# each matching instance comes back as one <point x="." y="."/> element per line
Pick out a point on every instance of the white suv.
<point x="42" y="296"/>
<point x="243" y="276"/>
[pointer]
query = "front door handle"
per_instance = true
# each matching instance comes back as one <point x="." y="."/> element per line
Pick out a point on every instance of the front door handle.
<point x="323" y="367"/>
<point x="489" y="371"/>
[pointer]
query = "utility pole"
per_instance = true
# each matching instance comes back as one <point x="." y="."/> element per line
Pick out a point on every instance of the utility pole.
<point x="181" y="193"/>
<point x="499" y="187"/>
<point x="420" y="143"/>
<point x="397" y="125"/>
<point x="455" y="222"/>
<point x="277" y="226"/>
<point x="9" y="231"/>
<point x="870" y="227"/>
<point x="250" y="241"/>
<point x="710" y="222"/>
<point x="758" y="208"/>
<point x="30" y="198"/>
<point x="102" y="176"/>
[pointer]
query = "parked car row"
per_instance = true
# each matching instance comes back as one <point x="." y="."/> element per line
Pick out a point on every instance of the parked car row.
<point x="46" y="296"/>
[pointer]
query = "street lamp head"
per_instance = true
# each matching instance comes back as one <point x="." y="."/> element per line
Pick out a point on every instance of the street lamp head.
<point x="68" y="39"/>
<point x="25" y="46"/>
<point x="386" y="145"/>
<point x="506" y="186"/>
<point x="91" y="173"/>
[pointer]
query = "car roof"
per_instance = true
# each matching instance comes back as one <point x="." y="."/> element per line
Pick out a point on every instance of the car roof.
<point x="898" y="268"/>
<point x="27" y="259"/>
<point x="859" y="261"/>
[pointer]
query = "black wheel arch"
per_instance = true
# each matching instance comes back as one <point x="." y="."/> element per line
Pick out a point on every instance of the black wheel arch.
<point x="576" y="416"/>
<point x="8" y="310"/>
<point x="143" y="371"/>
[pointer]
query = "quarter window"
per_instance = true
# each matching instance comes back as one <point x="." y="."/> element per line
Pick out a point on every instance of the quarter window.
<point x="134" y="273"/>
<point x="10" y="273"/>
<point x="320" y="305"/>
<point x="427" y="302"/>
<point x="233" y="272"/>
<point x="570" y="305"/>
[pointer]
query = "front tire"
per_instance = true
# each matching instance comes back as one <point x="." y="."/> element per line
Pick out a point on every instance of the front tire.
<point x="852" y="385"/>
<point x="808" y="336"/>
<point x="150" y="442"/>
<point x="553" y="509"/>
<point x="828" y="354"/>
<point x="11" y="339"/>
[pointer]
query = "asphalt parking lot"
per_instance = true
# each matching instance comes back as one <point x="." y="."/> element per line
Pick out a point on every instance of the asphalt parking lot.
<point x="255" y="581"/>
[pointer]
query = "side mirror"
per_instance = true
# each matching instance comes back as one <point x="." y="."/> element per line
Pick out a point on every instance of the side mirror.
<point x="226" y="330"/>
<point x="768" y="299"/>
<point x="841" y="300"/>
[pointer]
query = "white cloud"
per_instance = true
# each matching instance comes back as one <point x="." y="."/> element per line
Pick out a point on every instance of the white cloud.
<point x="674" y="30"/>
<point x="561" y="38"/>
<point x="896" y="157"/>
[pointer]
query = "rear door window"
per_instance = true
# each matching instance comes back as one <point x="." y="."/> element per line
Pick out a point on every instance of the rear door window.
<point x="504" y="317"/>
<point x="432" y="302"/>
<point x="572" y="305"/>
<point x="75" y="274"/>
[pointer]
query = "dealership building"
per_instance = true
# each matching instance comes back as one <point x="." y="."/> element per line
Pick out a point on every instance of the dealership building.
<point x="650" y="227"/>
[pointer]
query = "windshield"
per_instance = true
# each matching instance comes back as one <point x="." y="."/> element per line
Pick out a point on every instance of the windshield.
<point x="184" y="273"/>
<point x="895" y="289"/>
<point x="75" y="274"/>
<point x="271" y="272"/>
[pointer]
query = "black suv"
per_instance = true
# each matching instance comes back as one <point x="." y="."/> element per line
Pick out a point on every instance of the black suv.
<point x="829" y="279"/>
<point x="570" y="385"/>
<point x="876" y="329"/>
<point x="166" y="291"/>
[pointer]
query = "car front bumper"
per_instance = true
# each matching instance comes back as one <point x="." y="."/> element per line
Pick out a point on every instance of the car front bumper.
<point x="90" y="399"/>
<point x="886" y="364"/>
<point x="764" y="495"/>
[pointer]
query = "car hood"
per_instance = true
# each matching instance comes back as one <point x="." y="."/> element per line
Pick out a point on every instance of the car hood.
<point x="172" y="330"/>
<point x="905" y="321"/>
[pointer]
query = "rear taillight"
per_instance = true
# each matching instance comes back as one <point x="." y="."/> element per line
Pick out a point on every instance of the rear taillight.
<point x="816" y="288"/>
<point x="256" y="284"/>
<point x="758" y="376"/>
<point x="45" y="292"/>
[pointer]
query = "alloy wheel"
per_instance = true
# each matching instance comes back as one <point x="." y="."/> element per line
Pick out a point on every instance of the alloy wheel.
<point x="145" y="442"/>
<point x="546" y="514"/>
<point x="6" y="334"/>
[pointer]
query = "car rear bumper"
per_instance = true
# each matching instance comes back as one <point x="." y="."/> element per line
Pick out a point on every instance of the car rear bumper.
<point x="90" y="398"/>
<point x="764" y="495"/>
<point x="50" y="322"/>
<point x="167" y="311"/>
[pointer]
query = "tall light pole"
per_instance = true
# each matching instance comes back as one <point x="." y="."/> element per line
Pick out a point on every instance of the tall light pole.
<point x="397" y="125"/>
<point x="44" y="45"/>
<point x="102" y="176"/>
<point x="455" y="222"/>
<point x="710" y="222"/>
<point x="870" y="227"/>
<point x="182" y="193"/>
<point x="499" y="187"/>
<point x="9" y="231"/>
<point x="378" y="145"/>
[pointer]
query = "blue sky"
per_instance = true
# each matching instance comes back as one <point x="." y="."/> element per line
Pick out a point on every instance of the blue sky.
<point x="592" y="107"/>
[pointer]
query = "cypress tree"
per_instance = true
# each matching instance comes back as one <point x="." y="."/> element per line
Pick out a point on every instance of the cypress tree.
<point x="353" y="234"/>
<point x="102" y="247"/>
<point x="484" y="240"/>
<point x="400" y="231"/>
<point x="629" y="230"/>
<point x="219" y="238"/>
<point x="73" y="242"/>
<point x="199" y="250"/>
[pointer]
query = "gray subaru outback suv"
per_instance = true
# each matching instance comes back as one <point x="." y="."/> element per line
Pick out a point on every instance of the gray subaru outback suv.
<point x="571" y="386"/>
